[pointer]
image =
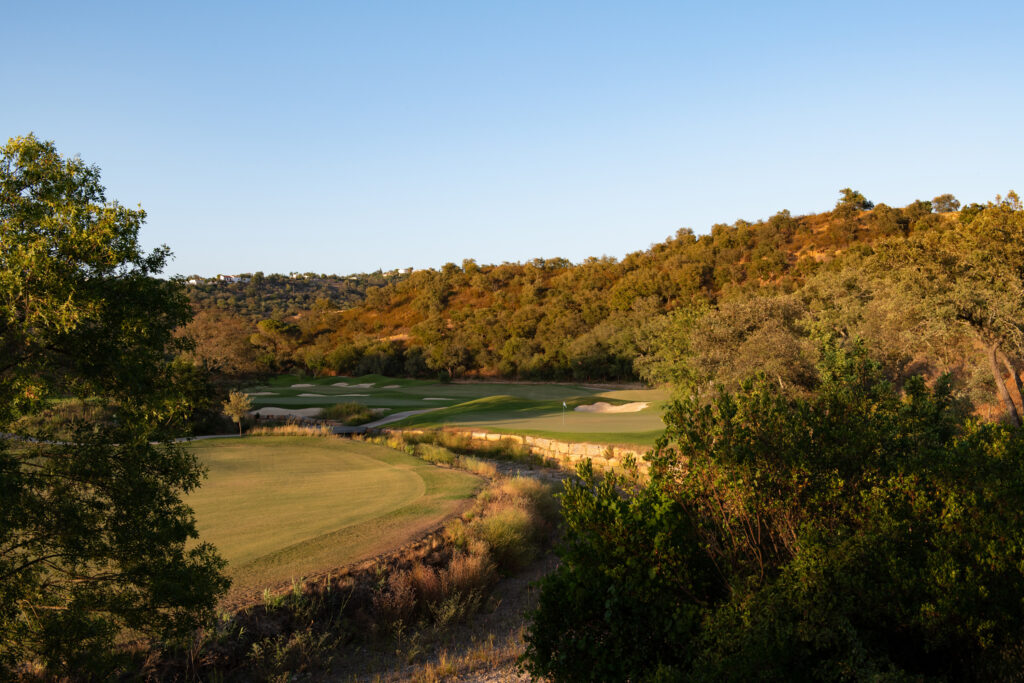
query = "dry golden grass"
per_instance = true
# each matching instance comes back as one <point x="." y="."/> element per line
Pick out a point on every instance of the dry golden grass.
<point x="292" y="430"/>
<point x="486" y="654"/>
<point x="467" y="572"/>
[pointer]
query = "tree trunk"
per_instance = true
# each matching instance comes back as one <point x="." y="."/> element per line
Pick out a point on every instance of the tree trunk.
<point x="1010" y="368"/>
<point x="239" y="427"/>
<point x="1011" y="409"/>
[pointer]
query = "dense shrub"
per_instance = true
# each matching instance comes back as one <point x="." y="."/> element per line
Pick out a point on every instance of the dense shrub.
<point x="626" y="597"/>
<point x="858" y="533"/>
<point x="347" y="413"/>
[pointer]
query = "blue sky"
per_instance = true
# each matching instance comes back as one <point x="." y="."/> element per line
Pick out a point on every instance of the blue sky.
<point x="350" y="136"/>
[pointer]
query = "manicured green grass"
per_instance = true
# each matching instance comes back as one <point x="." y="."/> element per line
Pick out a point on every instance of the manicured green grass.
<point x="520" y="408"/>
<point x="279" y="508"/>
<point x="509" y="415"/>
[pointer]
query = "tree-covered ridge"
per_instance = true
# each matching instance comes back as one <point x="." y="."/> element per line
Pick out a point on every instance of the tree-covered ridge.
<point x="551" y="319"/>
<point x="257" y="296"/>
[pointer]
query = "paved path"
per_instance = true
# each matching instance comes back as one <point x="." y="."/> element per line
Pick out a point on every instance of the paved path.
<point x="359" y="429"/>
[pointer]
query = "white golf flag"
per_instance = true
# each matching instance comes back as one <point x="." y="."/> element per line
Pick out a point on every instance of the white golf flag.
<point x="563" y="405"/>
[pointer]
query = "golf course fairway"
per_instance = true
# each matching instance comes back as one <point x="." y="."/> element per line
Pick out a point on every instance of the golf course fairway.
<point x="283" y="508"/>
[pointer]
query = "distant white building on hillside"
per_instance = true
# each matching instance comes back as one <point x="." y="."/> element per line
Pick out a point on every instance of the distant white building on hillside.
<point x="232" y="278"/>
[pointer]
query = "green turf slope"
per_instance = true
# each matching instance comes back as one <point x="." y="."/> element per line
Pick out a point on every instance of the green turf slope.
<point x="506" y="407"/>
<point x="280" y="508"/>
<point x="511" y="415"/>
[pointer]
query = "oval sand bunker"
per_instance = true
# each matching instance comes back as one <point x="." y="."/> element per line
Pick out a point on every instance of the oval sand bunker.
<point x="603" y="407"/>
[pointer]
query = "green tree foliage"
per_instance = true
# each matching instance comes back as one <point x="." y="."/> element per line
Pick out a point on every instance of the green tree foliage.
<point x="889" y="221"/>
<point x="857" y="533"/>
<point x="696" y="349"/>
<point x="603" y="615"/>
<point x="94" y="537"/>
<point x="237" y="407"/>
<point x="918" y="213"/>
<point x="282" y="296"/>
<point x="851" y="201"/>
<point x="945" y="203"/>
<point x="969" y="281"/>
<point x="939" y="300"/>
<point x="844" y="226"/>
<point x="221" y="342"/>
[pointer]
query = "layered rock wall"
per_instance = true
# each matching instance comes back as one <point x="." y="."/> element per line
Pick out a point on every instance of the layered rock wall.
<point x="565" y="454"/>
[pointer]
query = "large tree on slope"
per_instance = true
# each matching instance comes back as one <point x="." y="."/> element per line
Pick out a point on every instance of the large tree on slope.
<point x="95" y="541"/>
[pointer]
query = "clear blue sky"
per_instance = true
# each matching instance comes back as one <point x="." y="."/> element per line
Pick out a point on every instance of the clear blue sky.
<point x="350" y="136"/>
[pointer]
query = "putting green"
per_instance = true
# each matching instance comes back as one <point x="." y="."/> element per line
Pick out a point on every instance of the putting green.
<point x="280" y="508"/>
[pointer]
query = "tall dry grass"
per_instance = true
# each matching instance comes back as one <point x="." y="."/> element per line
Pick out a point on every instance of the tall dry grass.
<point x="292" y="430"/>
<point x="503" y="449"/>
<point x="510" y="523"/>
<point x="433" y="453"/>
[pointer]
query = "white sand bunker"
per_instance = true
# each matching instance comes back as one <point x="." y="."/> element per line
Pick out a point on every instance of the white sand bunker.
<point x="392" y="386"/>
<point x="272" y="411"/>
<point x="603" y="407"/>
<point x="262" y="393"/>
<point x="438" y="399"/>
<point x="299" y="386"/>
<point x="312" y="395"/>
<point x="363" y="386"/>
<point x="340" y="384"/>
<point x="349" y="395"/>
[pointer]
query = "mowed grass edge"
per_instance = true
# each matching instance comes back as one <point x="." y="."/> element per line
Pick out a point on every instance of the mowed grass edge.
<point x="281" y="508"/>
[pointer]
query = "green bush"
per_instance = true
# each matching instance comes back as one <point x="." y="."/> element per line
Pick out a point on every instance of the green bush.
<point x="347" y="413"/>
<point x="859" y="533"/>
<point x="612" y="611"/>
<point x="435" y="454"/>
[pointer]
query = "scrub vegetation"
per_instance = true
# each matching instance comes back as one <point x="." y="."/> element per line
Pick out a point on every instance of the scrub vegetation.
<point x="859" y="533"/>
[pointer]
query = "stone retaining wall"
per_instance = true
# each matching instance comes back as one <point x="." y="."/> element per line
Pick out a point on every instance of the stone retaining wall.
<point x="565" y="454"/>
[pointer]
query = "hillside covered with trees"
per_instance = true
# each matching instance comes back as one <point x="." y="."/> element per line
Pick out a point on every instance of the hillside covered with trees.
<point x="925" y="286"/>
<point x="257" y="296"/>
